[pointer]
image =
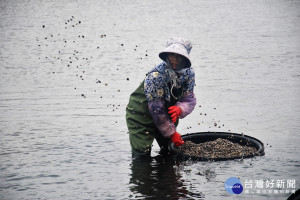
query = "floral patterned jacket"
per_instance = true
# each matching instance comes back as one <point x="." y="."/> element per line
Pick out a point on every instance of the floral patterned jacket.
<point x="157" y="92"/>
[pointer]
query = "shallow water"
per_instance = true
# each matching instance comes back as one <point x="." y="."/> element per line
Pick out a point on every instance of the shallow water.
<point x="64" y="87"/>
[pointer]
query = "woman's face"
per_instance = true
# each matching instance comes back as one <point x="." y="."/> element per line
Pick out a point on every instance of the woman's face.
<point x="175" y="60"/>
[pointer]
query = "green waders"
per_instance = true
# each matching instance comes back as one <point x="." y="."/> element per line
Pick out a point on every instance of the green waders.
<point x="142" y="129"/>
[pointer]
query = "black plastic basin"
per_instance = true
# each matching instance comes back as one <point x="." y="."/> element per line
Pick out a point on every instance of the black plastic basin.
<point x="202" y="137"/>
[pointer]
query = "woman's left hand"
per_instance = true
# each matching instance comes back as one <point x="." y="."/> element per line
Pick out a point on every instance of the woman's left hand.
<point x="175" y="112"/>
<point x="176" y="139"/>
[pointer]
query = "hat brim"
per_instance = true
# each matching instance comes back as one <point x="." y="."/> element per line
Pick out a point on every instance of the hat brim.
<point x="178" y="49"/>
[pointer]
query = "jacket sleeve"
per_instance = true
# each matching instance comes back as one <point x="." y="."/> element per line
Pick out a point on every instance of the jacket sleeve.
<point x="161" y="118"/>
<point x="155" y="91"/>
<point x="186" y="103"/>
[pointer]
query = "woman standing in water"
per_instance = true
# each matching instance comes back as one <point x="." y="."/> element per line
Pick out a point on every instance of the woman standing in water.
<point x="165" y="95"/>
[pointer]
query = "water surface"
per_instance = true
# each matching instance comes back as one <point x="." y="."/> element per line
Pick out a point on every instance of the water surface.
<point x="68" y="68"/>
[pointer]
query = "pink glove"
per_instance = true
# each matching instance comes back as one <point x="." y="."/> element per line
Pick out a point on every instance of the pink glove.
<point x="176" y="139"/>
<point x="175" y="112"/>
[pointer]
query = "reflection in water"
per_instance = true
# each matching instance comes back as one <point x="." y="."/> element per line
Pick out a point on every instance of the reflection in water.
<point x="58" y="118"/>
<point x="156" y="178"/>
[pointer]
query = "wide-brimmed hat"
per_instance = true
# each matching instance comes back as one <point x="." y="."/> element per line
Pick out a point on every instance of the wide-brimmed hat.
<point x="179" y="46"/>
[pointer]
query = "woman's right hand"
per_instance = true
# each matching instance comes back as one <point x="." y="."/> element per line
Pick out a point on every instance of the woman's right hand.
<point x="175" y="112"/>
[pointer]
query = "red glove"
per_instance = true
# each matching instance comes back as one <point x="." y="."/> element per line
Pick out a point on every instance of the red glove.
<point x="176" y="139"/>
<point x="175" y="112"/>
